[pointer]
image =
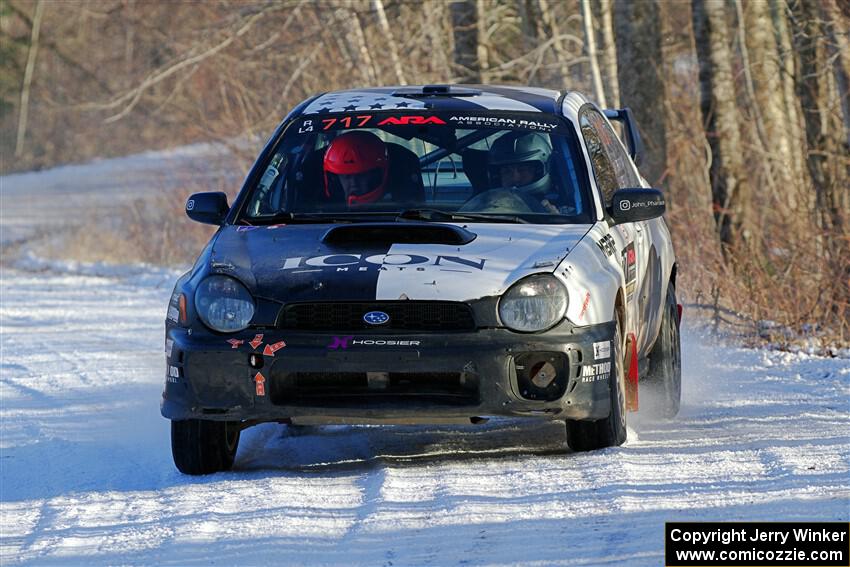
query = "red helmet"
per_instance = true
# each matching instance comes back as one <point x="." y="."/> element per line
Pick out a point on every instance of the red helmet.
<point x="361" y="154"/>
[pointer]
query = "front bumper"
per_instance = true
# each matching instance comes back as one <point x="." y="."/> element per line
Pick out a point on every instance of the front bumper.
<point x="271" y="375"/>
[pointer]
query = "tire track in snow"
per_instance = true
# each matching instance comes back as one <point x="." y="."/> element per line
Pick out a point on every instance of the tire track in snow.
<point x="504" y="492"/>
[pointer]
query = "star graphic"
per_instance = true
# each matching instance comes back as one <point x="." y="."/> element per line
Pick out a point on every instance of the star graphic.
<point x="350" y="107"/>
<point x="324" y="110"/>
<point x="376" y="106"/>
<point x="403" y="104"/>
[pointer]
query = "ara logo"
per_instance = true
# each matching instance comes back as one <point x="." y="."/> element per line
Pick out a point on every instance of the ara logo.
<point x="410" y="120"/>
<point x="385" y="262"/>
<point x="376" y="318"/>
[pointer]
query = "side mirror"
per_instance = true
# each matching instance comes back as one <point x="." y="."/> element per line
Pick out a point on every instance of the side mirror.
<point x="632" y="205"/>
<point x="208" y="208"/>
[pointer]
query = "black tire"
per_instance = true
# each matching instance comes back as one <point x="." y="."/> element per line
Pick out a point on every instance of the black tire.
<point x="610" y="431"/>
<point x="202" y="447"/>
<point x="664" y="378"/>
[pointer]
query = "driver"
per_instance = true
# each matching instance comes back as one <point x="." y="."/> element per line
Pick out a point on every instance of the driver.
<point x="356" y="165"/>
<point x="519" y="162"/>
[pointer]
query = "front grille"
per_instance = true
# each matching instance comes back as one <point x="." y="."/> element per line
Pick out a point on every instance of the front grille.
<point x="404" y="316"/>
<point x="355" y="388"/>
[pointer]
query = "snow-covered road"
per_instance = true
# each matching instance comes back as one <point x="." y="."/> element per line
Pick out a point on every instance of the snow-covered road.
<point x="87" y="476"/>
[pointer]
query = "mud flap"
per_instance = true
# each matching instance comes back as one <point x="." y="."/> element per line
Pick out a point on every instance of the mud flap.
<point x="632" y="375"/>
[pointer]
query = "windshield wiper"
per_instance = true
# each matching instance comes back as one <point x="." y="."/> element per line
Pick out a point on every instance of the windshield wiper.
<point x="437" y="215"/>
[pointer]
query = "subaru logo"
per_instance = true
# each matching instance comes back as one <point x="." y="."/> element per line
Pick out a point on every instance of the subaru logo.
<point x="376" y="318"/>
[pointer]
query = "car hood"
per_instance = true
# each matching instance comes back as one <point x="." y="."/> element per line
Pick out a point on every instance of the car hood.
<point x="301" y="263"/>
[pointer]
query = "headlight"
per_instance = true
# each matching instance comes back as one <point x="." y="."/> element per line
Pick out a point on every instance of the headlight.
<point x="224" y="304"/>
<point x="533" y="304"/>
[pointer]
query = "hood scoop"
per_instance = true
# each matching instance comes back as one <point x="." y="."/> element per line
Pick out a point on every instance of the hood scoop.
<point x="397" y="233"/>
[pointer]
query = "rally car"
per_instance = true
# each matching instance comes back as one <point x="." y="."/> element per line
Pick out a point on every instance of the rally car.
<point x="430" y="254"/>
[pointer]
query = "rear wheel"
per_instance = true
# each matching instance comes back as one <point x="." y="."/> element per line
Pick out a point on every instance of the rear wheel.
<point x="202" y="447"/>
<point x="610" y="431"/>
<point x="664" y="379"/>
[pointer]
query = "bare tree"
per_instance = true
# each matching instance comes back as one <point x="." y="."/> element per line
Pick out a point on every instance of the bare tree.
<point x="590" y="51"/>
<point x="769" y="102"/>
<point x="465" y="31"/>
<point x="23" y="113"/>
<point x="813" y="97"/>
<point x="639" y="64"/>
<point x="609" y="53"/>
<point x="730" y="189"/>
<point x="391" y="43"/>
<point x="561" y="53"/>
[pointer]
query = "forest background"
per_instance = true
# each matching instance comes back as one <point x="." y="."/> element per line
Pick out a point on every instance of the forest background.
<point x="743" y="105"/>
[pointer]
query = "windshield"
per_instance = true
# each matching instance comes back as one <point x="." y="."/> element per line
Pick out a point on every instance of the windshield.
<point x="500" y="167"/>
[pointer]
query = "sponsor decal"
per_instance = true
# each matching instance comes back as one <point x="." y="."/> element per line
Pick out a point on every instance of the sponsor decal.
<point x="376" y="318"/>
<point x="274" y="226"/>
<point x="503" y="122"/>
<point x="626" y="205"/>
<point x="246" y="228"/>
<point x="173" y="374"/>
<point x="306" y="126"/>
<point x="607" y="245"/>
<point x="169" y="345"/>
<point x="339" y="342"/>
<point x="345" y="122"/>
<point x="349" y="341"/>
<point x="595" y="372"/>
<point x="271" y="349"/>
<point x="584" y="305"/>
<point x="235" y="343"/>
<point x="190" y="204"/>
<point x="630" y="269"/>
<point x="382" y="342"/>
<point x="256" y="341"/>
<point x="601" y="350"/>
<point x="383" y="262"/>
<point x="260" y="384"/>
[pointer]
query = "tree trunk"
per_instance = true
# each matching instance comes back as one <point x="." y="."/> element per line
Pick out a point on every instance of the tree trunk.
<point x="590" y="51"/>
<point x="483" y="49"/>
<point x="434" y="13"/>
<point x="609" y="53"/>
<point x="730" y="190"/>
<point x="388" y="34"/>
<point x="561" y="53"/>
<point x="779" y="15"/>
<point x="465" y="32"/>
<point x="23" y="113"/>
<point x="838" y="47"/>
<point x="806" y="31"/>
<point x="768" y="98"/>
<point x="640" y="72"/>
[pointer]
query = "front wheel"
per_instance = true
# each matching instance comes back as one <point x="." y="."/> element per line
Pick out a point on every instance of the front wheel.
<point x="610" y="431"/>
<point x="202" y="447"/>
